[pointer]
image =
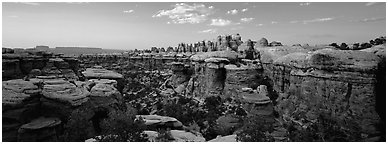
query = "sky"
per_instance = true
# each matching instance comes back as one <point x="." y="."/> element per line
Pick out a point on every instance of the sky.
<point x="142" y="25"/>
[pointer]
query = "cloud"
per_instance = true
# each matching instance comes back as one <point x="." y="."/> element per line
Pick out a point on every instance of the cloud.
<point x="370" y="3"/>
<point x="128" y="11"/>
<point x="208" y="31"/>
<point x="232" y="12"/>
<point x="244" y="10"/>
<point x="246" y="19"/>
<point x="304" y="4"/>
<point x="259" y="24"/>
<point x="183" y="13"/>
<point x="30" y="3"/>
<point x="295" y="21"/>
<point x="274" y="22"/>
<point x="220" y="22"/>
<point x="372" y="19"/>
<point x="318" y="20"/>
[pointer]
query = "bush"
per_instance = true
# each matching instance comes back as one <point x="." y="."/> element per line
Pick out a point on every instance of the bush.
<point x="122" y="126"/>
<point x="256" y="129"/>
<point x="78" y="128"/>
<point x="164" y="136"/>
<point x="326" y="129"/>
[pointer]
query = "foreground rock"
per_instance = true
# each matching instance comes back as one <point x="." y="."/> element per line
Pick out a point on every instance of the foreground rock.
<point x="176" y="136"/>
<point x="156" y="121"/>
<point x="41" y="129"/>
<point x="229" y="138"/>
<point x="20" y="104"/>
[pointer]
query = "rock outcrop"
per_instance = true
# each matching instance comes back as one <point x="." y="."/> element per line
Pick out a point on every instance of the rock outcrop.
<point x="100" y="73"/>
<point x="228" y="138"/>
<point x="335" y="81"/>
<point x="40" y="129"/>
<point x="20" y="104"/>
<point x="156" y="121"/>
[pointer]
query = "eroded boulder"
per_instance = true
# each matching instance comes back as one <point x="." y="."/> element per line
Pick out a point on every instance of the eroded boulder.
<point x="64" y="91"/>
<point x="40" y="129"/>
<point x="230" y="55"/>
<point x="156" y="121"/>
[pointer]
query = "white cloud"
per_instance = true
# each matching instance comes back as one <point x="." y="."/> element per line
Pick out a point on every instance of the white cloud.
<point x="30" y="3"/>
<point x="370" y="3"/>
<point x="232" y="12"/>
<point x="372" y="19"/>
<point x="318" y="20"/>
<point x="259" y="24"/>
<point x="274" y="22"/>
<point x="208" y="31"/>
<point x="220" y="22"/>
<point x="244" y="10"/>
<point x="184" y="13"/>
<point x="295" y="21"/>
<point x="304" y="4"/>
<point x="128" y="11"/>
<point x="247" y="19"/>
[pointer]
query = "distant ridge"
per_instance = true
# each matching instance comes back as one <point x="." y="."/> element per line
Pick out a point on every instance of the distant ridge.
<point x="78" y="48"/>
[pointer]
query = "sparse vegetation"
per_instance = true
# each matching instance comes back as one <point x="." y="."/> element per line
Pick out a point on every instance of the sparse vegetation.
<point x="122" y="126"/>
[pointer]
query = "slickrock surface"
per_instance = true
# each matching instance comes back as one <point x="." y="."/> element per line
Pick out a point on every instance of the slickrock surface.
<point x="228" y="138"/>
<point x="65" y="91"/>
<point x="40" y="129"/>
<point x="161" y="121"/>
<point x="93" y="73"/>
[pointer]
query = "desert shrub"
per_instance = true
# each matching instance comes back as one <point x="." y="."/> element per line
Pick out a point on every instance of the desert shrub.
<point x="164" y="136"/>
<point x="256" y="129"/>
<point x="326" y="129"/>
<point x="344" y="46"/>
<point x="334" y="45"/>
<point x="79" y="127"/>
<point x="226" y="125"/>
<point x="122" y="126"/>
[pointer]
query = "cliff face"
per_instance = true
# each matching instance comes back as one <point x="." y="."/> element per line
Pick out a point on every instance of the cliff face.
<point x="301" y="85"/>
<point x="297" y="84"/>
<point x="37" y="107"/>
<point x="340" y="83"/>
<point x="20" y="65"/>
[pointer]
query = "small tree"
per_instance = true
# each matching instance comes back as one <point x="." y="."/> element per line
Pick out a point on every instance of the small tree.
<point x="334" y="45"/>
<point x="122" y="126"/>
<point x="256" y="129"/>
<point x="344" y="46"/>
<point x="79" y="127"/>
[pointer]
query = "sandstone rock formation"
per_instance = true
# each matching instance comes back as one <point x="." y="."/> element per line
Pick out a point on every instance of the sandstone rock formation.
<point x="263" y="42"/>
<point x="40" y="129"/>
<point x="156" y="121"/>
<point x="20" y="104"/>
<point x="228" y="138"/>
<point x="328" y="79"/>
<point x="64" y="91"/>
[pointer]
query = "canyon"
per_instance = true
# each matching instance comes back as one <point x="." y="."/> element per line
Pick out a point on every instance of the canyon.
<point x="295" y="91"/>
